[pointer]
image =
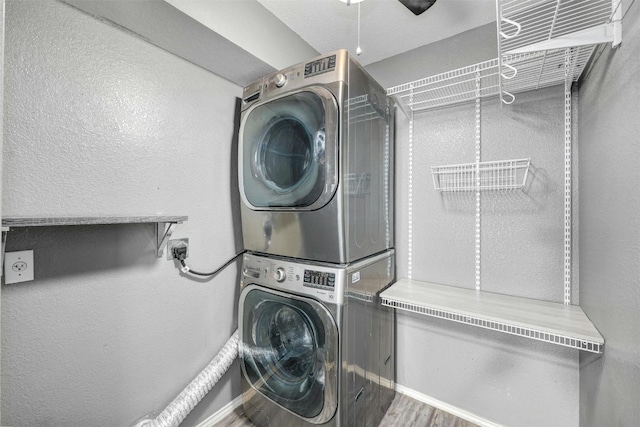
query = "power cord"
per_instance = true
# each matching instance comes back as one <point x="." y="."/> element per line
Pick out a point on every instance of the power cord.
<point x="180" y="253"/>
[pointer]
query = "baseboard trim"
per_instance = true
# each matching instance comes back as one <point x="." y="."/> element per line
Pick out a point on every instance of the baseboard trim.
<point x="453" y="410"/>
<point x="221" y="413"/>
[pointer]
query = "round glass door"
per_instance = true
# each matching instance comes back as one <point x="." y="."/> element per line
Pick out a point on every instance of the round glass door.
<point x="286" y="354"/>
<point x="287" y="150"/>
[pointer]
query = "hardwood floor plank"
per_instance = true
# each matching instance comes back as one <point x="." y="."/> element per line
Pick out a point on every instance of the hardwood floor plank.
<point x="403" y="412"/>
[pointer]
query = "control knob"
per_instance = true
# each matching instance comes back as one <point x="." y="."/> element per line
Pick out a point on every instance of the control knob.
<point x="281" y="80"/>
<point x="280" y="274"/>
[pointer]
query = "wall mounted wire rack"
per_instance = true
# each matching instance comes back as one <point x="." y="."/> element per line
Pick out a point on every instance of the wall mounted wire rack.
<point x="495" y="175"/>
<point x="541" y="43"/>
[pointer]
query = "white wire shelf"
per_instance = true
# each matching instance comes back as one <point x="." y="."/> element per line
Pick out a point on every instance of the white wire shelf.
<point x="495" y="175"/>
<point x="520" y="73"/>
<point x="452" y="87"/>
<point x="526" y="23"/>
<point x="537" y="39"/>
<point x="546" y="68"/>
<point x="552" y="29"/>
<point x="555" y="323"/>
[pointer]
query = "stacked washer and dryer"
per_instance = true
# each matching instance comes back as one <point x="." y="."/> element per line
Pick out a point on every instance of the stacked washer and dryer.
<point x="316" y="183"/>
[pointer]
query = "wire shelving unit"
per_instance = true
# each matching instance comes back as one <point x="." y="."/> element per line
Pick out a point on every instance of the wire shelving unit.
<point x="541" y="43"/>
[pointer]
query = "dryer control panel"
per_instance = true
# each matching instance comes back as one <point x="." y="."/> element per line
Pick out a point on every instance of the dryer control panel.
<point x="319" y="66"/>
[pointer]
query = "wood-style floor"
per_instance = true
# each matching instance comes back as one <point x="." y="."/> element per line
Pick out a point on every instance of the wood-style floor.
<point x="403" y="412"/>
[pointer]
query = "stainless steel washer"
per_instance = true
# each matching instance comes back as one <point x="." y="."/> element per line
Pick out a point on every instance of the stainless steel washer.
<point x="316" y="346"/>
<point x="315" y="162"/>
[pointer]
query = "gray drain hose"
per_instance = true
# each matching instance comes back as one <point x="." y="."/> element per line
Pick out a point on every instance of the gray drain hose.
<point x="192" y="394"/>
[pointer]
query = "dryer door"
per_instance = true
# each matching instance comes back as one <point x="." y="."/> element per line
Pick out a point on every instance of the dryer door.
<point x="288" y="151"/>
<point x="288" y="351"/>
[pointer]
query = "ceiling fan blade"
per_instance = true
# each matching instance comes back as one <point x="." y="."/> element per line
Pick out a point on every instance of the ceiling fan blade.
<point x="417" y="6"/>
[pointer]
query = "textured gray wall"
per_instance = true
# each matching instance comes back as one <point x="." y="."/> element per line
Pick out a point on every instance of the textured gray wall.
<point x="470" y="47"/>
<point x="1" y="143"/>
<point x="509" y="380"/>
<point x="610" y="230"/>
<point x="98" y="121"/>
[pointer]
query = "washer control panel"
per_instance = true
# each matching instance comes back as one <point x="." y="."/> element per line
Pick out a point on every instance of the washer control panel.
<point x="322" y="282"/>
<point x="319" y="279"/>
<point x="280" y="275"/>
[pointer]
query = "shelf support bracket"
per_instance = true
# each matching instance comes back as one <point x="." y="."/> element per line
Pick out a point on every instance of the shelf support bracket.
<point x="4" y="242"/>
<point x="616" y="20"/>
<point x="163" y="235"/>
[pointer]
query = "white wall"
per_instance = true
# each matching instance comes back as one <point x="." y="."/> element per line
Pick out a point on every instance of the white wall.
<point x="98" y="121"/>
<point x="470" y="47"/>
<point x="509" y="380"/>
<point x="610" y="230"/>
<point x="252" y="27"/>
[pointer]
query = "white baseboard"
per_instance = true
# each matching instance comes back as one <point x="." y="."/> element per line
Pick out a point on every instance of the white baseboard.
<point x="453" y="410"/>
<point x="222" y="413"/>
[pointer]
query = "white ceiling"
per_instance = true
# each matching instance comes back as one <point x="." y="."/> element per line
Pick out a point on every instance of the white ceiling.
<point x="387" y="27"/>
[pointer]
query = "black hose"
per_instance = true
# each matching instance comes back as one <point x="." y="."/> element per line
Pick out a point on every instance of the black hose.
<point x="187" y="269"/>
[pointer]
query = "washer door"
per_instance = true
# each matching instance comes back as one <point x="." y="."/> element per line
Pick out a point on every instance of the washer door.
<point x="288" y="151"/>
<point x="288" y="351"/>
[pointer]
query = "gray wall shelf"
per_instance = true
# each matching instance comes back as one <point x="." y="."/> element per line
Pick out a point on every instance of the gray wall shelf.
<point x="165" y="224"/>
<point x="555" y="323"/>
<point x="88" y="220"/>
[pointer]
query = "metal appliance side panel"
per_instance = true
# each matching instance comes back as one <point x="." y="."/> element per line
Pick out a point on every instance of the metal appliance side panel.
<point x="296" y="234"/>
<point x="368" y="350"/>
<point x="367" y="159"/>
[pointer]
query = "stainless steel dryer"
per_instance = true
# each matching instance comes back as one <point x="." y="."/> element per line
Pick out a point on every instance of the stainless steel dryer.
<point x="315" y="162"/>
<point x="316" y="345"/>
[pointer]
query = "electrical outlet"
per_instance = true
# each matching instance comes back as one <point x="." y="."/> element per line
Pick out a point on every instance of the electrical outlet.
<point x="176" y="242"/>
<point x="18" y="267"/>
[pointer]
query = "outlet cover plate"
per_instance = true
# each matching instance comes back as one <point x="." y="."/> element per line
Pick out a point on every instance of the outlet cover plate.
<point x="176" y="242"/>
<point x="18" y="267"/>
